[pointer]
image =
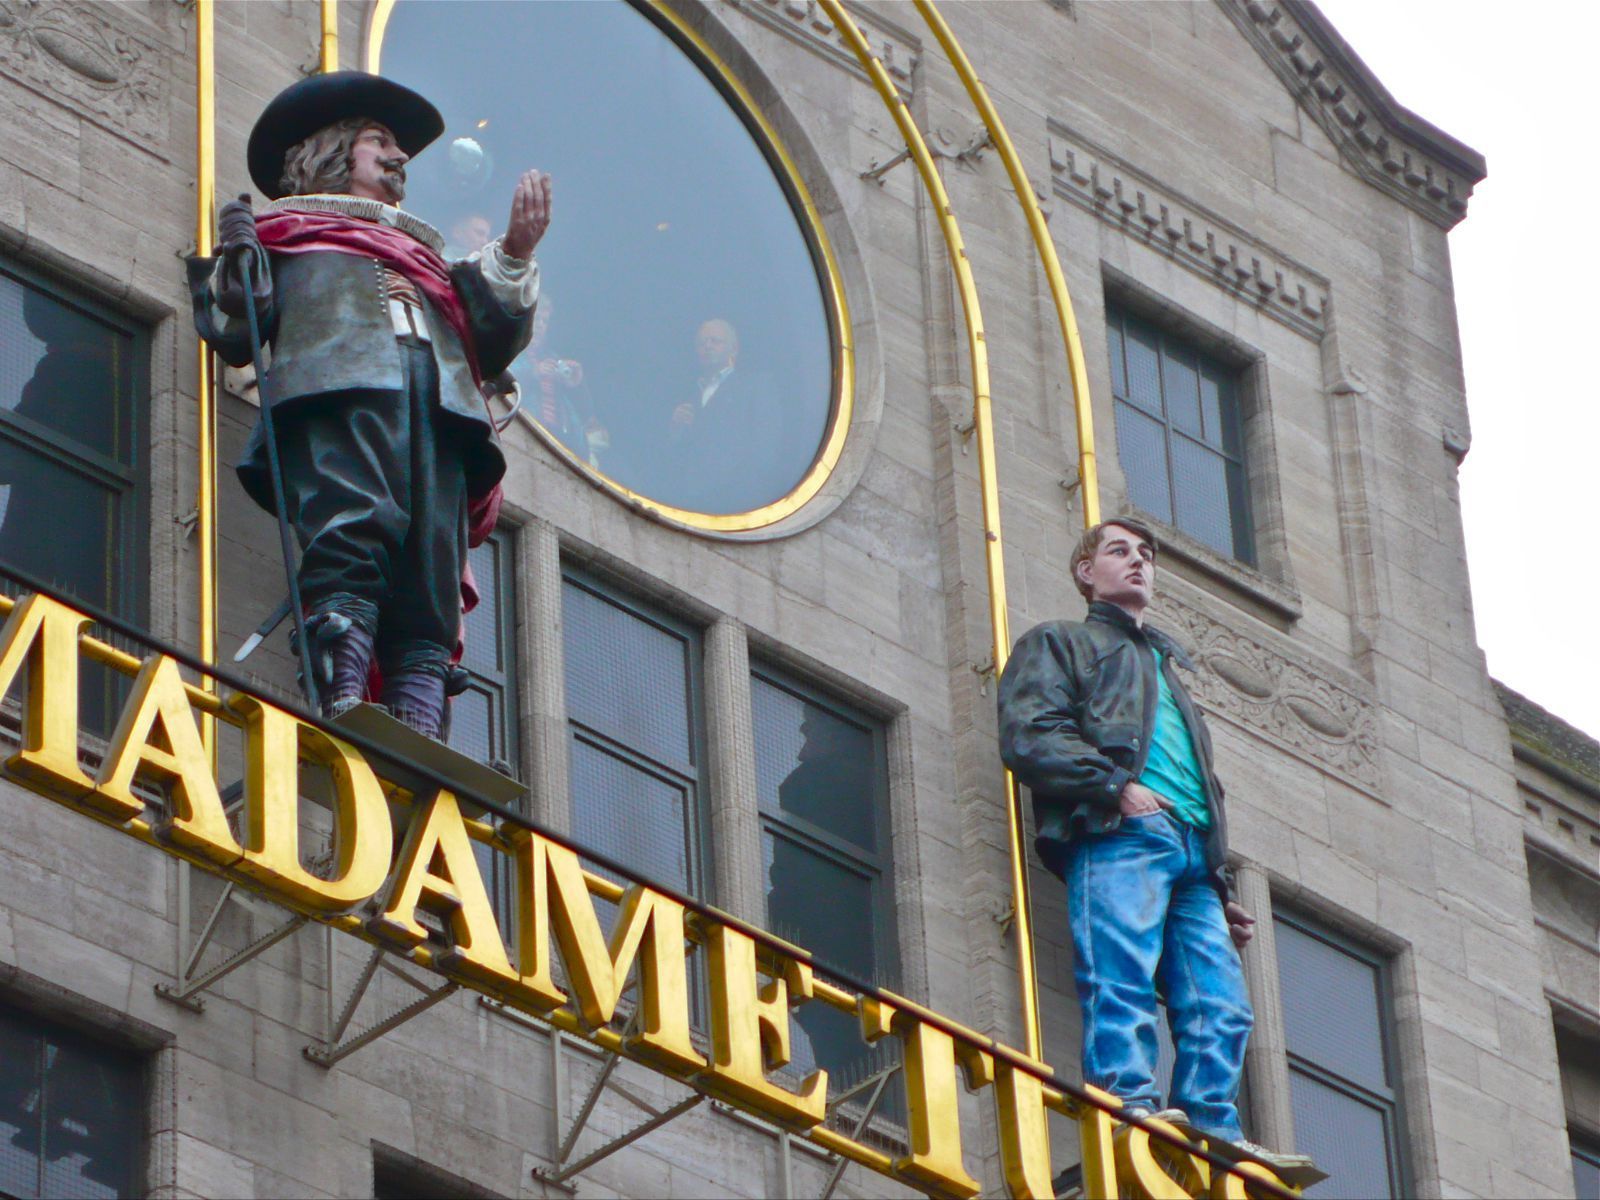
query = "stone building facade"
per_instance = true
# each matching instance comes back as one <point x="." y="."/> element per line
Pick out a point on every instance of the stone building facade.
<point x="1232" y="195"/>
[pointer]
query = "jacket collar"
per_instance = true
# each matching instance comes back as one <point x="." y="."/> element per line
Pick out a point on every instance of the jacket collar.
<point x="1111" y="614"/>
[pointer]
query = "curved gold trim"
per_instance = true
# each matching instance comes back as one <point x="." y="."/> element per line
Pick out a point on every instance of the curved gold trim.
<point x="205" y="173"/>
<point x="1088" y="472"/>
<point x="843" y="400"/>
<point x="983" y="424"/>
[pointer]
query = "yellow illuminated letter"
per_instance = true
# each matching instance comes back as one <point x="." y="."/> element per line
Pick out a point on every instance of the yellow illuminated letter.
<point x="648" y="926"/>
<point x="750" y="1030"/>
<point x="177" y="759"/>
<point x="439" y="872"/>
<point x="44" y="633"/>
<point x="1096" y="1142"/>
<point x="1024" y="1132"/>
<point x="275" y="741"/>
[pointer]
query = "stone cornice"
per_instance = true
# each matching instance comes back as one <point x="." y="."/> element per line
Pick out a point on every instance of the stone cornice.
<point x="805" y="22"/>
<point x="1386" y="144"/>
<point x="1211" y="247"/>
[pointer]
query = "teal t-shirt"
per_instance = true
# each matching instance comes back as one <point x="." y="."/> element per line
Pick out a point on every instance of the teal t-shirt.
<point x="1173" y="769"/>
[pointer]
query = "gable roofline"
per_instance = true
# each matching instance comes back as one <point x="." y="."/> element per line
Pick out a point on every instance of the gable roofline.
<point x="1384" y="142"/>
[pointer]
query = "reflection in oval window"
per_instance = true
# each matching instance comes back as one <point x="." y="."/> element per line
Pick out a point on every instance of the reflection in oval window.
<point x="681" y="345"/>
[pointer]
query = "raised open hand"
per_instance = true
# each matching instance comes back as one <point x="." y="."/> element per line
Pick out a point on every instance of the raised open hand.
<point x="530" y="215"/>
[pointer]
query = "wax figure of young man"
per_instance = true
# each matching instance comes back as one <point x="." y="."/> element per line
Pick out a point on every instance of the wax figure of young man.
<point x="379" y="348"/>
<point x="1096" y="721"/>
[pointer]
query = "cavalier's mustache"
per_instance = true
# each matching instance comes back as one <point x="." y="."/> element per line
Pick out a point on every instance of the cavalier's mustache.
<point x="397" y="165"/>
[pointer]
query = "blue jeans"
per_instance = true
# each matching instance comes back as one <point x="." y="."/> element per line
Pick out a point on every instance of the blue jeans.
<point x="1144" y="916"/>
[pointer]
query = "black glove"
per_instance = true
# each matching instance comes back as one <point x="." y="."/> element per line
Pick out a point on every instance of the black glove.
<point x="238" y="244"/>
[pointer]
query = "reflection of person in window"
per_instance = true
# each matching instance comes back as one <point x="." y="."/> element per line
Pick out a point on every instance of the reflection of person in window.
<point x="728" y="433"/>
<point x="803" y="885"/>
<point x="468" y="235"/>
<point x="559" y="397"/>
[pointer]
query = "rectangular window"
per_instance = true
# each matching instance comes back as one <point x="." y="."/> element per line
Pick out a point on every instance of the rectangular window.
<point x="71" y="1113"/>
<point x="635" y="714"/>
<point x="1341" y="1060"/>
<point x="483" y="719"/>
<point x="822" y="785"/>
<point x="1179" y="434"/>
<point x="1585" y="1165"/>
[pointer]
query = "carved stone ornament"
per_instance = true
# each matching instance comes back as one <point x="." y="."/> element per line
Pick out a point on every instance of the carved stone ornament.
<point x="1122" y="195"/>
<point x="1387" y="145"/>
<point x="1291" y="701"/>
<point x="79" y="57"/>
<point x="805" y="22"/>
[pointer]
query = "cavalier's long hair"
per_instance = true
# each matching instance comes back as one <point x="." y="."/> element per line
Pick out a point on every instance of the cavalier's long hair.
<point x="321" y="163"/>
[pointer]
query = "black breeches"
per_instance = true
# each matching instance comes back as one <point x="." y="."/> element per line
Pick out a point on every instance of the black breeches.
<point x="377" y="496"/>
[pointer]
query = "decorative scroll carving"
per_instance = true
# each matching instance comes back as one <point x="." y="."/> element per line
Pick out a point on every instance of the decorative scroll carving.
<point x="1126" y="197"/>
<point x="82" y="59"/>
<point x="806" y="23"/>
<point x="1385" y="144"/>
<point x="1291" y="701"/>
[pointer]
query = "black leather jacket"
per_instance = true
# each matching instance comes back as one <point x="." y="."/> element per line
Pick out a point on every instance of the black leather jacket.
<point x="1077" y="711"/>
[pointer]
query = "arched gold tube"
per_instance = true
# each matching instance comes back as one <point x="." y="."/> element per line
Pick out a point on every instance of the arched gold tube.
<point x="1088" y="473"/>
<point x="330" y="35"/>
<point x="983" y="425"/>
<point x="205" y="218"/>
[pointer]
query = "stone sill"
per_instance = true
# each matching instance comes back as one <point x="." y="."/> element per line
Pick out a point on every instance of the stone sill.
<point x="1275" y="602"/>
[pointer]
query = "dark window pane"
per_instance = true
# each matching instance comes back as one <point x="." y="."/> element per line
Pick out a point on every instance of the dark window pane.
<point x="1180" y="379"/>
<point x="472" y="725"/>
<point x="618" y="351"/>
<point x="626" y="677"/>
<point x="71" y="1113"/>
<point x="1214" y="390"/>
<point x="1142" y="450"/>
<point x="1331" y="1007"/>
<point x="59" y="524"/>
<point x="1119" y="375"/>
<point x="1348" y="1137"/>
<point x="1585" y="1171"/>
<point x="486" y="625"/>
<point x="65" y="370"/>
<point x="812" y="764"/>
<point x="1144" y="366"/>
<point x="1200" y="489"/>
<point x="631" y="814"/>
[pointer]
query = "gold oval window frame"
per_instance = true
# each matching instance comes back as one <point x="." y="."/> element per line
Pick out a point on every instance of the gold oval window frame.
<point x="787" y="171"/>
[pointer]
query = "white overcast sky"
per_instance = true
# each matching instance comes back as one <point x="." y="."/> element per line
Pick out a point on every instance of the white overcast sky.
<point x="1516" y="84"/>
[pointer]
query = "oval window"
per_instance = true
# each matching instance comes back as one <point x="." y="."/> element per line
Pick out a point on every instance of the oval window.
<point x="686" y="347"/>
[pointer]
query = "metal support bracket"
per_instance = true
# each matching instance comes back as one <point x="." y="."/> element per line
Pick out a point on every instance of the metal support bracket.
<point x="186" y="991"/>
<point x="878" y="170"/>
<point x="337" y="1046"/>
<point x="563" y="1168"/>
<point x="877" y="1083"/>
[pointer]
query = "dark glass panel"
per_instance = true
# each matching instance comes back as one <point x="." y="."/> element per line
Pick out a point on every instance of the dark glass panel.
<point x="1180" y="378"/>
<point x="1144" y="366"/>
<point x="626" y="678"/>
<point x="1119" y="374"/>
<point x="1331" y="1007"/>
<point x="1200" y="490"/>
<point x="91" y="1144"/>
<point x="485" y="648"/>
<point x="1215" y="392"/>
<point x="1142" y="450"/>
<point x="668" y="216"/>
<point x="630" y="814"/>
<point x="1346" y="1136"/>
<point x="58" y="524"/>
<point x="1244" y="541"/>
<point x="473" y="727"/>
<point x="21" y="1108"/>
<point x="65" y="370"/>
<point x="1586" y="1172"/>
<point x="812" y="764"/>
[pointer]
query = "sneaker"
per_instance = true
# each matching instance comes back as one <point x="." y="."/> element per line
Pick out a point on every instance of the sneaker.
<point x="1278" y="1161"/>
<point x="1172" y="1116"/>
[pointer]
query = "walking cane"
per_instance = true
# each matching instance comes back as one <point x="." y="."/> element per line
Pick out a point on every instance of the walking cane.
<point x="275" y="470"/>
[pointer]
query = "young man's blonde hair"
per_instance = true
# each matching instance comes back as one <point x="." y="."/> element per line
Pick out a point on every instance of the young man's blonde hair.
<point x="1094" y="535"/>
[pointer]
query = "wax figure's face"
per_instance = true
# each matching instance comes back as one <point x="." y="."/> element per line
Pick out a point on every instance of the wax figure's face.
<point x="1122" y="571"/>
<point x="716" y="344"/>
<point x="378" y="166"/>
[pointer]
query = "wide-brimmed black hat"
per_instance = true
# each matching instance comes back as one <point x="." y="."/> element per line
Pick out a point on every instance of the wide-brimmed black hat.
<point x="319" y="100"/>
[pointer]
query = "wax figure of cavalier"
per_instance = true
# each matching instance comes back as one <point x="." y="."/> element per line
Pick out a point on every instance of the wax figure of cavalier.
<point x="1096" y="721"/>
<point x="378" y="352"/>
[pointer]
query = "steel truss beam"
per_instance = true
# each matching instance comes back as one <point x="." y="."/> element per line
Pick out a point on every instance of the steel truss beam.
<point x="336" y="1046"/>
